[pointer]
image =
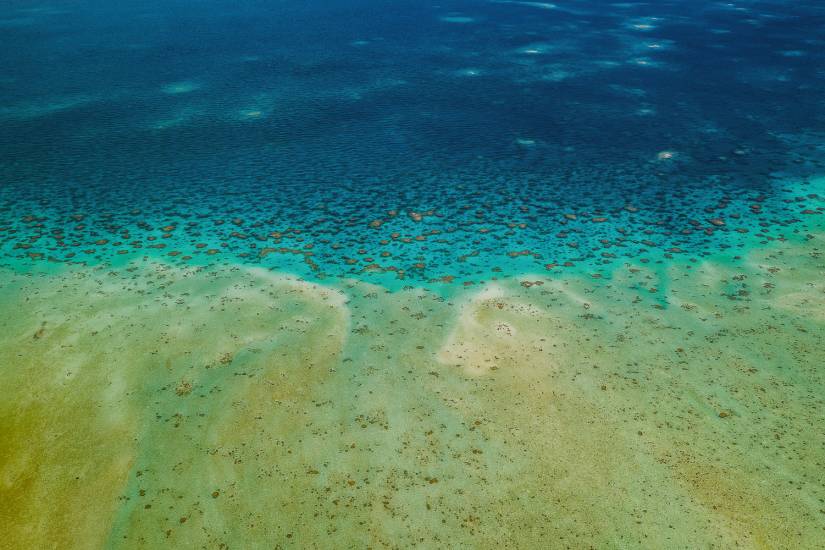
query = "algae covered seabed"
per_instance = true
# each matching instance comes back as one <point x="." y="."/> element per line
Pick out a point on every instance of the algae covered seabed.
<point x="229" y="406"/>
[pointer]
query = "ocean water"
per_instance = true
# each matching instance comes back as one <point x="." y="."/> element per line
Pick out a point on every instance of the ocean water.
<point x="397" y="274"/>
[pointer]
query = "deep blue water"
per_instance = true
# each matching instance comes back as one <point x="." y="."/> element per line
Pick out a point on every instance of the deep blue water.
<point x="308" y="136"/>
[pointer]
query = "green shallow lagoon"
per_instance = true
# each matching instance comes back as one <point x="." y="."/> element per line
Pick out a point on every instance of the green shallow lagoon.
<point x="158" y="406"/>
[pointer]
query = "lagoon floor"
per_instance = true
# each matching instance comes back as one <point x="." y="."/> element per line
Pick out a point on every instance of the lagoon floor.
<point x="216" y="406"/>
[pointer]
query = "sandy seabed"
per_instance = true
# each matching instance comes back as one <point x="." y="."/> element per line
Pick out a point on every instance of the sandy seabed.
<point x="219" y="407"/>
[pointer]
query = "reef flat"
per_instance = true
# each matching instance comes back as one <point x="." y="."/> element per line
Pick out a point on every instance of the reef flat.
<point x="221" y="406"/>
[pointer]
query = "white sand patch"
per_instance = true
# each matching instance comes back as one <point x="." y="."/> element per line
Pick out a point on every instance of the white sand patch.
<point x="489" y="333"/>
<point x="332" y="297"/>
<point x="539" y="5"/>
<point x="460" y="19"/>
<point x="468" y="72"/>
<point x="184" y="87"/>
<point x="250" y="114"/>
<point x="34" y="110"/>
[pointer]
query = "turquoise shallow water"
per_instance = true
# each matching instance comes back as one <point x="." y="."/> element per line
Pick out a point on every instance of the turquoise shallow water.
<point x="352" y="274"/>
